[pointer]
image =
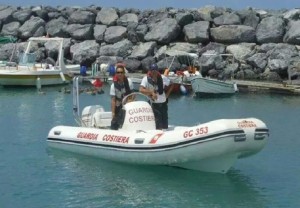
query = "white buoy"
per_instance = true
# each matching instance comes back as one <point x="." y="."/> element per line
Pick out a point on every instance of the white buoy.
<point x="235" y="87"/>
<point x="183" y="89"/>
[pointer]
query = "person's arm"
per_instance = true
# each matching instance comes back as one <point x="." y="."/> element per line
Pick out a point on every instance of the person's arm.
<point x="113" y="106"/>
<point x="113" y="99"/>
<point x="148" y="92"/>
<point x="145" y="90"/>
<point x="169" y="90"/>
<point x="168" y="86"/>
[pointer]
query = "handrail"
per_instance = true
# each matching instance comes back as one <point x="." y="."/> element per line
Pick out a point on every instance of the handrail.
<point x="76" y="107"/>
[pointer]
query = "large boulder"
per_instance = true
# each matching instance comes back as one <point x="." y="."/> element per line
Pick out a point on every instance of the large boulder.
<point x="126" y="19"/>
<point x="56" y="27"/>
<point x="6" y="52"/>
<point x="258" y="60"/>
<point x="107" y="16"/>
<point x="82" y="17"/>
<point x="241" y="51"/>
<point x="164" y="32"/>
<point x="249" y="17"/>
<point x="184" y="18"/>
<point x="6" y="14"/>
<point x="109" y="59"/>
<point x="212" y="47"/>
<point x="114" y="34"/>
<point x="146" y="63"/>
<point x="292" y="14"/>
<point x="41" y="12"/>
<point x="132" y="65"/>
<point x="292" y="35"/>
<point x="86" y="51"/>
<point x="11" y="29"/>
<point x="209" y="62"/>
<point x="80" y="32"/>
<point x="122" y="48"/>
<point x="270" y="29"/>
<point x="155" y="16"/>
<point x="143" y="50"/>
<point x="22" y="15"/>
<point x="141" y="31"/>
<point x="283" y="51"/>
<point x="170" y="62"/>
<point x="270" y="76"/>
<point x="233" y="34"/>
<point x="197" y="32"/>
<point x="53" y="46"/>
<point x="227" y="19"/>
<point x="278" y="65"/>
<point x="32" y="28"/>
<point x="99" y="31"/>
<point x="182" y="46"/>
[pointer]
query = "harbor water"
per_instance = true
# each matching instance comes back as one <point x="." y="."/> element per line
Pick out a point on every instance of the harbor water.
<point x="34" y="175"/>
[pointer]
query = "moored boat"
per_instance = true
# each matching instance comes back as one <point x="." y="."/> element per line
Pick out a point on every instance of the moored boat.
<point x="27" y="72"/>
<point x="212" y="87"/>
<point x="213" y="146"/>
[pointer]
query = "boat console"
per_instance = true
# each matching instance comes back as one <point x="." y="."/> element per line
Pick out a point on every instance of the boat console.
<point x="138" y="115"/>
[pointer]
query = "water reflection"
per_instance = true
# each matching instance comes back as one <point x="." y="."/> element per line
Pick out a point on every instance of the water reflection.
<point x="58" y="107"/>
<point x="118" y="185"/>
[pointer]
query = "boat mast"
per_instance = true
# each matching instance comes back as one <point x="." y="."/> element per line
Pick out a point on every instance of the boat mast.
<point x="61" y="62"/>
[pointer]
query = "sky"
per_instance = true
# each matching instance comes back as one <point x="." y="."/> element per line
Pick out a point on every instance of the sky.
<point x="156" y="4"/>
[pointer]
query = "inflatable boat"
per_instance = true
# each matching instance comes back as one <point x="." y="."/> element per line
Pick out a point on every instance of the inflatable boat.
<point x="213" y="146"/>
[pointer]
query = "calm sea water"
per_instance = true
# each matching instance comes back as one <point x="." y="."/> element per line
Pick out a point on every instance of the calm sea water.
<point x="33" y="175"/>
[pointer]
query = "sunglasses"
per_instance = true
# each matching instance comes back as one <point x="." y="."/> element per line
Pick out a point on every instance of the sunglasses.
<point x="119" y="72"/>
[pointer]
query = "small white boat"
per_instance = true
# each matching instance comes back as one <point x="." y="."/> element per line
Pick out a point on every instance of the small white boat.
<point x="29" y="73"/>
<point x="213" y="146"/>
<point x="206" y="86"/>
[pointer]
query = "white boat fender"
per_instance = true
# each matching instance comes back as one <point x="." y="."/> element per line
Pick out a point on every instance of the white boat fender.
<point x="38" y="83"/>
<point x="62" y="76"/>
<point x="235" y="87"/>
<point x="183" y="89"/>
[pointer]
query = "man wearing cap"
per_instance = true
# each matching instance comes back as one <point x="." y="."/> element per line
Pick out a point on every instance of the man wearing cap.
<point x="153" y="85"/>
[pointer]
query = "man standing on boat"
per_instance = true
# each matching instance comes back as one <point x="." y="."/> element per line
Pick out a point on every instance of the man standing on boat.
<point x="154" y="85"/>
<point x="118" y="90"/>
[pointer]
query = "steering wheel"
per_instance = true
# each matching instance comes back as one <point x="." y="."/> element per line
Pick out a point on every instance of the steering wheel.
<point x="134" y="94"/>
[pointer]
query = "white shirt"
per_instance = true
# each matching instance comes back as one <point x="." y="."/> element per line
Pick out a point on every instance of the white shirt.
<point x="186" y="73"/>
<point x="160" y="98"/>
<point x="112" y="87"/>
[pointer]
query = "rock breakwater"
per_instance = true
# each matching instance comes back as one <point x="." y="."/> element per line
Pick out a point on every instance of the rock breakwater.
<point x="247" y="44"/>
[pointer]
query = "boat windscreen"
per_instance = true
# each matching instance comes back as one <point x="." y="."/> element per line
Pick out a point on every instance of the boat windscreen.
<point x="27" y="59"/>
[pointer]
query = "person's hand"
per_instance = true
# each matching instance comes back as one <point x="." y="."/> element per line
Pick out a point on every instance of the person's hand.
<point x="153" y="96"/>
<point x="130" y="99"/>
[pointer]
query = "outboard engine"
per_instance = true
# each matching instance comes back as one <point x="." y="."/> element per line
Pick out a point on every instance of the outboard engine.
<point x="138" y="116"/>
<point x="88" y="114"/>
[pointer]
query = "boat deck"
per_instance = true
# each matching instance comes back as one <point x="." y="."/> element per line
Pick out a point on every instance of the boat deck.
<point x="256" y="86"/>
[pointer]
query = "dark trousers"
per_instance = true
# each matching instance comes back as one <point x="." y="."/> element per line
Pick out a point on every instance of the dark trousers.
<point x="160" y="111"/>
<point x="117" y="121"/>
